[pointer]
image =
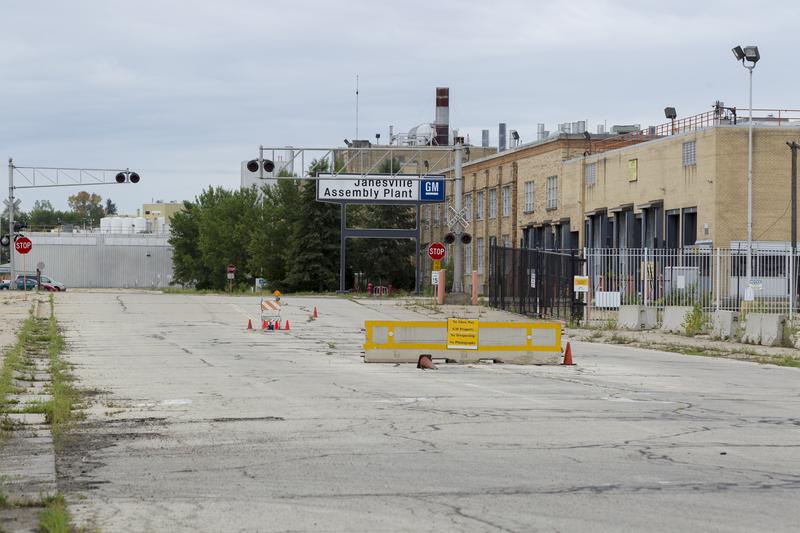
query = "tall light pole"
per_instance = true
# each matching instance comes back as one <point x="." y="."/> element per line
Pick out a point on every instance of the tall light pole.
<point x="749" y="54"/>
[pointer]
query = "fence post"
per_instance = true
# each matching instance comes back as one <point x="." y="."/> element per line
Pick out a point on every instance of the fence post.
<point x="645" y="277"/>
<point x="717" y="280"/>
<point x="791" y="286"/>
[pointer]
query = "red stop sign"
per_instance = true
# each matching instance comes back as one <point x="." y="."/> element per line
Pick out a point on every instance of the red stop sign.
<point x="436" y="250"/>
<point x="23" y="245"/>
<point x="231" y="269"/>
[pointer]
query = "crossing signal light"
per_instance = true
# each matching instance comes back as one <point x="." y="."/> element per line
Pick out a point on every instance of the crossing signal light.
<point x="268" y="165"/>
<point x="466" y="238"/>
<point x="5" y="240"/>
<point x="131" y="177"/>
<point x="449" y="238"/>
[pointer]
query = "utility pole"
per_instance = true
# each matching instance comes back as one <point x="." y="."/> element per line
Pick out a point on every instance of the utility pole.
<point x="11" y="274"/>
<point x="793" y="146"/>
<point x="458" y="192"/>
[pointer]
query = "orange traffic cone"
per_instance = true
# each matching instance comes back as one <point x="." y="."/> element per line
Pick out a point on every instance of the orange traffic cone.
<point x="249" y="324"/>
<point x="286" y="327"/>
<point x="425" y="362"/>
<point x="315" y="312"/>
<point x="568" y="356"/>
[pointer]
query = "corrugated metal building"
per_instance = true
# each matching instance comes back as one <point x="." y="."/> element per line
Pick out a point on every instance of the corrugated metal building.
<point x="100" y="260"/>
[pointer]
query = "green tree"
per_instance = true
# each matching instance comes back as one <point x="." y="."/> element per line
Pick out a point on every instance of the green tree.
<point x="224" y="232"/>
<point x="186" y="266"/>
<point x="111" y="207"/>
<point x="313" y="263"/>
<point x="278" y="213"/>
<point x="88" y="207"/>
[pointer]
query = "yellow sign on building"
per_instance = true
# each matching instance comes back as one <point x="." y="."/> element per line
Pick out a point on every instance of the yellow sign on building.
<point x="462" y="334"/>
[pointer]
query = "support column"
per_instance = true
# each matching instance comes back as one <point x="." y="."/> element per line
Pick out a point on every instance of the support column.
<point x="458" y="192"/>
<point x="11" y="273"/>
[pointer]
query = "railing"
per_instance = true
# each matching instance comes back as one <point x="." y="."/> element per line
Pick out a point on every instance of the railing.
<point x="536" y="283"/>
<point x="718" y="115"/>
<point x="713" y="279"/>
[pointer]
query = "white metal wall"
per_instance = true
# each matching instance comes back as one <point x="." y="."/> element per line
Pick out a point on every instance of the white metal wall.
<point x="97" y="260"/>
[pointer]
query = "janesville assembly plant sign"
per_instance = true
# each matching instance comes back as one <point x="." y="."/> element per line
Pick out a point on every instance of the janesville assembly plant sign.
<point x="380" y="188"/>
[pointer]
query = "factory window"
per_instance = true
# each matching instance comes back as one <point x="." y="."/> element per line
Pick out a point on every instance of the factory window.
<point x="468" y="206"/>
<point x="492" y="203"/>
<point x="590" y="174"/>
<point x="552" y="192"/>
<point x="689" y="153"/>
<point x="506" y="200"/>
<point x="479" y="254"/>
<point x="633" y="169"/>
<point x="479" y="206"/>
<point x="529" y="197"/>
<point x="468" y="258"/>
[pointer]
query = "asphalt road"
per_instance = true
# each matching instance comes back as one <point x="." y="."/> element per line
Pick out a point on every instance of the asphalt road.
<point x="200" y="425"/>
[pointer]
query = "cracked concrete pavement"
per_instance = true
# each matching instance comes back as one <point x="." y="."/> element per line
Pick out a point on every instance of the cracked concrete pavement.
<point x="199" y="425"/>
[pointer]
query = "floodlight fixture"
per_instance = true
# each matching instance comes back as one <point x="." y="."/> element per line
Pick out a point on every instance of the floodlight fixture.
<point x="751" y="54"/>
<point x="670" y="113"/>
<point x="738" y="52"/>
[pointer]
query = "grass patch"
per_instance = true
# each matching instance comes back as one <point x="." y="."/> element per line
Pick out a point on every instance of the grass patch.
<point x="54" y="518"/>
<point x="15" y="360"/>
<point x="64" y="395"/>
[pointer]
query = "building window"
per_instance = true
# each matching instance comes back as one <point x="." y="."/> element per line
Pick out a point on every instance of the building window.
<point x="506" y="200"/>
<point x="633" y="169"/>
<point x="529" y="197"/>
<point x="689" y="153"/>
<point x="468" y="206"/>
<point x="479" y="254"/>
<point x="492" y="203"/>
<point x="552" y="192"/>
<point x="467" y="259"/>
<point x="437" y="213"/>
<point x="590" y="174"/>
<point x="479" y="206"/>
<point x="506" y="241"/>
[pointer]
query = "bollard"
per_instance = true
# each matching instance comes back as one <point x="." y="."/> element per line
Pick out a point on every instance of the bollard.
<point x="474" y="287"/>
<point x="369" y="289"/>
<point x="441" y="287"/>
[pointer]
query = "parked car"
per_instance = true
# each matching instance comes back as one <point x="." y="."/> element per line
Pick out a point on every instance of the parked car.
<point x="29" y="284"/>
<point x="5" y="284"/>
<point x="57" y="285"/>
<point x="48" y="283"/>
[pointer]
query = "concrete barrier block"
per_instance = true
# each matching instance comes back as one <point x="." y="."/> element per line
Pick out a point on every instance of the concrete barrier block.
<point x="636" y="317"/>
<point x="764" y="329"/>
<point x="772" y="329"/>
<point x="506" y="342"/>
<point x="674" y="319"/>
<point x="725" y="325"/>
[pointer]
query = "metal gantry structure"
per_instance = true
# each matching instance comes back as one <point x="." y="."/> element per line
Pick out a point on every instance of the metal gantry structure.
<point x="362" y="161"/>
<point x="35" y="177"/>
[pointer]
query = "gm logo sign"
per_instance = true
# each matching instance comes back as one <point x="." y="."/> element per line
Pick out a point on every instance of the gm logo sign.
<point x="431" y="189"/>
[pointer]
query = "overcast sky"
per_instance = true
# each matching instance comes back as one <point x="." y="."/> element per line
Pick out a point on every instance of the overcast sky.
<point x="183" y="91"/>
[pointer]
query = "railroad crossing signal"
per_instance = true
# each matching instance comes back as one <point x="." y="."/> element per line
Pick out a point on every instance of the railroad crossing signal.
<point x="457" y="221"/>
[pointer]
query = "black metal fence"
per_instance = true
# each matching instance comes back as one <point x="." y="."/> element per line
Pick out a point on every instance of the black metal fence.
<point x="537" y="283"/>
